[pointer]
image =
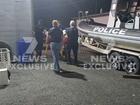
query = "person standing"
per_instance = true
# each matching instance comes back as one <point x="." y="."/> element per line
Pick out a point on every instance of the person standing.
<point x="72" y="44"/>
<point x="39" y="37"/>
<point x="55" y="36"/>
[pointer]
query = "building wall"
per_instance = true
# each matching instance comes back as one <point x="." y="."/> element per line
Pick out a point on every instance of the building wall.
<point x="65" y="10"/>
<point x="15" y="21"/>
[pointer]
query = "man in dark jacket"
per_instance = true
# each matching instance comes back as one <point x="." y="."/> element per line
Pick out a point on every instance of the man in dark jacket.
<point x="39" y="37"/>
<point x="72" y="33"/>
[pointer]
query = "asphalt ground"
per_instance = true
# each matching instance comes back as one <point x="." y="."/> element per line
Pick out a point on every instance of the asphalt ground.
<point x="76" y="86"/>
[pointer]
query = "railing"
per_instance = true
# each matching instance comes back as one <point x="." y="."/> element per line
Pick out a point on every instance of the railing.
<point x="4" y="58"/>
<point x="94" y="15"/>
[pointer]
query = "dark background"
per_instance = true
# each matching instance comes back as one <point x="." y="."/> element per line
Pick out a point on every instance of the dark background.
<point x="65" y="10"/>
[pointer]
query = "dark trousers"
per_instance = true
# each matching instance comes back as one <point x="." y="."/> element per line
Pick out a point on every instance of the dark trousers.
<point x="39" y="49"/>
<point x="72" y="47"/>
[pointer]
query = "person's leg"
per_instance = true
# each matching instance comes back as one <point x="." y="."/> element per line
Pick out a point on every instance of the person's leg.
<point x="39" y="50"/>
<point x="75" y="53"/>
<point x="57" y="56"/>
<point x="55" y="53"/>
<point x="68" y="53"/>
<point x="65" y="52"/>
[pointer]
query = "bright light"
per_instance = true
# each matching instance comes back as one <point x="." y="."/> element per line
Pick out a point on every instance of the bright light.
<point x="114" y="6"/>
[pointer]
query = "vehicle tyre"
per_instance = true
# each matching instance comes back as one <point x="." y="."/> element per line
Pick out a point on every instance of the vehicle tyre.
<point x="114" y="59"/>
<point x="132" y="65"/>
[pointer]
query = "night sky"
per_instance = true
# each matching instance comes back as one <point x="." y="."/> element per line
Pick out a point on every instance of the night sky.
<point x="65" y="10"/>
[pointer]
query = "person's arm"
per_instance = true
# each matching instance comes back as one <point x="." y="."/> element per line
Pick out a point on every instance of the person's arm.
<point x="48" y="37"/>
<point x="62" y="37"/>
<point x="67" y="32"/>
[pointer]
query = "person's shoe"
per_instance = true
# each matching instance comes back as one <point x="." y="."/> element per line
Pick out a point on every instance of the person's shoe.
<point x="69" y="63"/>
<point x="56" y="71"/>
<point x="61" y="71"/>
<point x="76" y="63"/>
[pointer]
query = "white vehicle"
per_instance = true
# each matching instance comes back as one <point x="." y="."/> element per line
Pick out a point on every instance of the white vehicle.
<point x="15" y="22"/>
<point x="116" y="34"/>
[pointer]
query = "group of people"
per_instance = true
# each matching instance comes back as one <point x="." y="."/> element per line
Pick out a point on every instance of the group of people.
<point x="56" y="38"/>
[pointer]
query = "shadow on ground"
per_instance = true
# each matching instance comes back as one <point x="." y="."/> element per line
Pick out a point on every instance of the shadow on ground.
<point x="3" y="87"/>
<point x="131" y="76"/>
<point x="72" y="74"/>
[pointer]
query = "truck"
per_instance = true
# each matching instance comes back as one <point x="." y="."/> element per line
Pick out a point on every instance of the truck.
<point x="115" y="34"/>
